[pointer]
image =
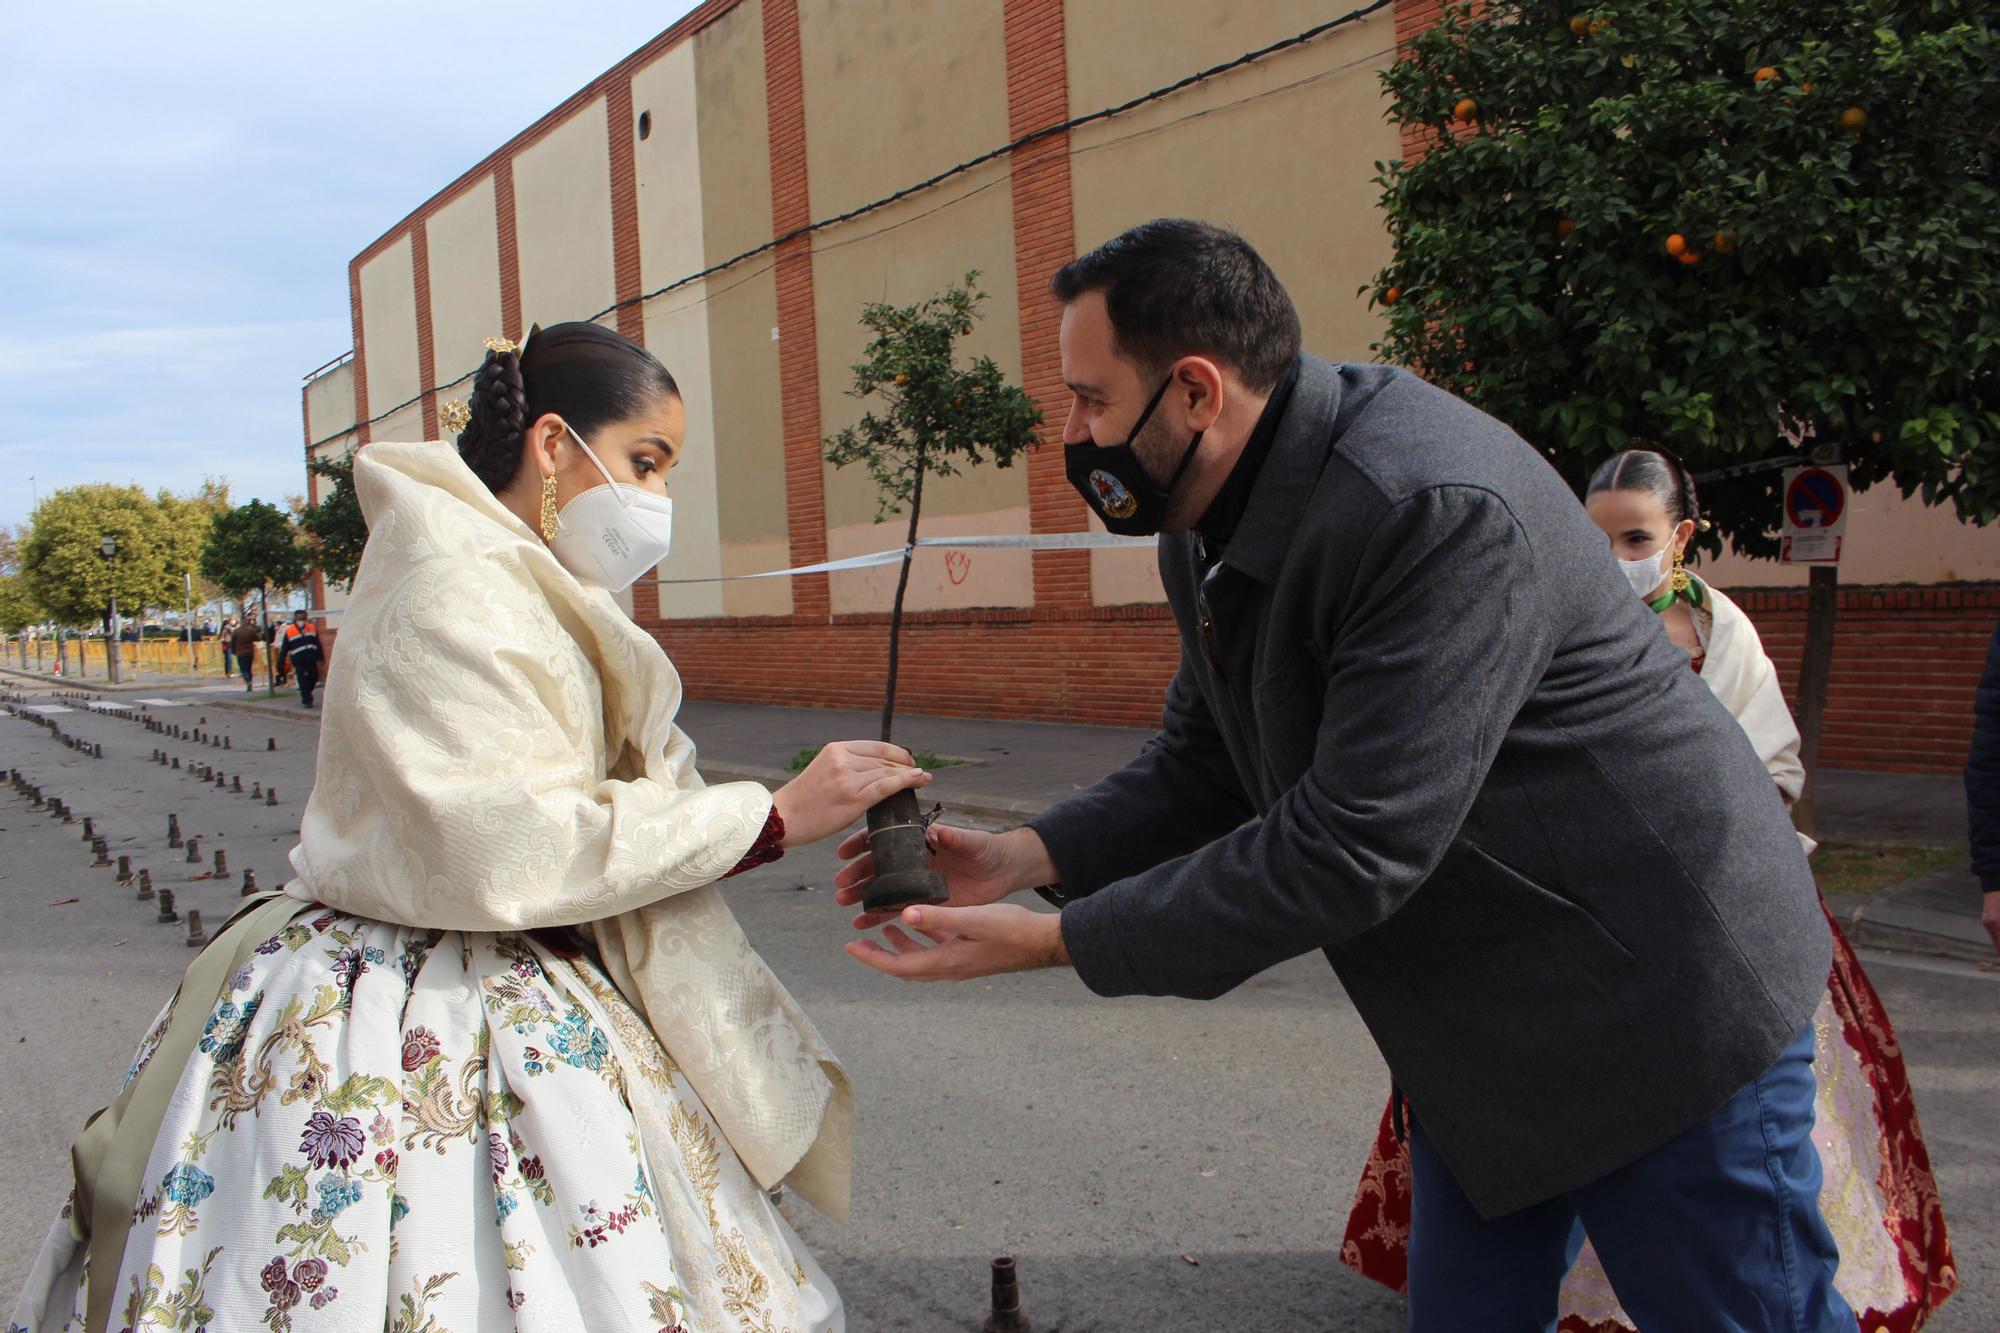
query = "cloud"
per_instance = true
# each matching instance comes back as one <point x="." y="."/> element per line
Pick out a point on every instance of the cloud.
<point x="185" y="185"/>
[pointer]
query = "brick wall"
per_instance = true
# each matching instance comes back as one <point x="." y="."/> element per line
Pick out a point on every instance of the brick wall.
<point x="1905" y="663"/>
<point x="1107" y="665"/>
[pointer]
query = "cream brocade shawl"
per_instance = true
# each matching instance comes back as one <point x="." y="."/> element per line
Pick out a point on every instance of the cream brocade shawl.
<point x="499" y="753"/>
<point x="1739" y="673"/>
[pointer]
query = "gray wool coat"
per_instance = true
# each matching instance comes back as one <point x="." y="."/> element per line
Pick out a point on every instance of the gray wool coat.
<point x="1422" y="724"/>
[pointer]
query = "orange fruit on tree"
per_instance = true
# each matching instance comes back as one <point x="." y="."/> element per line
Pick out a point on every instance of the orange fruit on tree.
<point x="1579" y="26"/>
<point x="1724" y="242"/>
<point x="1391" y="296"/>
<point x="1465" y="111"/>
<point x="1690" y="257"/>
<point x="1597" y="26"/>
<point x="902" y="379"/>
<point x="1854" y="120"/>
<point x="1564" y="228"/>
<point x="1677" y="244"/>
<point x="1766" y="74"/>
<point x="1805" y="87"/>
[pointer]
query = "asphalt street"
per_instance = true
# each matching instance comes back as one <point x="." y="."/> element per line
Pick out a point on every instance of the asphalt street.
<point x="1150" y="1163"/>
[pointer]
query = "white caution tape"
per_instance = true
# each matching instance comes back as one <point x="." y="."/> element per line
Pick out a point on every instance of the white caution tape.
<point x="1038" y="541"/>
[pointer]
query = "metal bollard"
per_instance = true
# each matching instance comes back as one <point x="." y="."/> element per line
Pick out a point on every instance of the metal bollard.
<point x="97" y="750"/>
<point x="249" y="882"/>
<point x="197" y="937"/>
<point x="173" y="830"/>
<point x="68" y="818"/>
<point x="194" y="851"/>
<point x="271" y="796"/>
<point x="177" y="762"/>
<point x="226" y="744"/>
<point x="236" y="785"/>
<point x="89" y="828"/>
<point x="145" y="886"/>
<point x="124" y="871"/>
<point x="1006" y="1316"/>
<point x="221" y="862"/>
<point x="220" y="780"/>
<point x="256" y="791"/>
<point x="270" y="742"/>
<point x="168" y="916"/>
<point x="103" y="851"/>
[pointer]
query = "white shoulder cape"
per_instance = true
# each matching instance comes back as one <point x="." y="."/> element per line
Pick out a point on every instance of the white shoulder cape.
<point x="499" y="752"/>
<point x="1736" y="669"/>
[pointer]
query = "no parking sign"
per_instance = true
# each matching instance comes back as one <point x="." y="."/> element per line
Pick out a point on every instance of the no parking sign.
<point x="1815" y="515"/>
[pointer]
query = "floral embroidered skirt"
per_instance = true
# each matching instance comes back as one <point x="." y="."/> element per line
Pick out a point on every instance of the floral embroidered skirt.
<point x="435" y="1132"/>
<point x="1879" y="1197"/>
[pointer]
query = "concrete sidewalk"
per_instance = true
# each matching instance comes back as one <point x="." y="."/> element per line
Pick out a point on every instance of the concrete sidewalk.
<point x="1013" y="770"/>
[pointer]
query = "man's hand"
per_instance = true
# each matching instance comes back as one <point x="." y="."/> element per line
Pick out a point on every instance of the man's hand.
<point x="966" y="942"/>
<point x="1989" y="917"/>
<point x="978" y="868"/>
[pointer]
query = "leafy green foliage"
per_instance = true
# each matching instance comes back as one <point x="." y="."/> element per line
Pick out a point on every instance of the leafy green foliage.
<point x="253" y="547"/>
<point x="17" y="608"/>
<point x="188" y="520"/>
<point x="334" y="527"/>
<point x="64" y="572"/>
<point x="1831" y="172"/>
<point x="937" y="417"/>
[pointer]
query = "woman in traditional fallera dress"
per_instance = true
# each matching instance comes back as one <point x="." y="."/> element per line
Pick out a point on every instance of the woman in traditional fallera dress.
<point x="1878" y="1196"/>
<point x="499" y="1057"/>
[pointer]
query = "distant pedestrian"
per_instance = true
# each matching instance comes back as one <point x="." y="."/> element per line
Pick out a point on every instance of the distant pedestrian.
<point x="301" y="645"/>
<point x="242" y="641"/>
<point x="228" y="636"/>
<point x="274" y="634"/>
<point x="1982" y="789"/>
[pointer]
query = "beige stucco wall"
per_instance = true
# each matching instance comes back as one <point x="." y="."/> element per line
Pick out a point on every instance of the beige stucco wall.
<point x="741" y="307"/>
<point x="389" y="330"/>
<point x="668" y="172"/>
<point x="1889" y="540"/>
<point x="329" y="402"/>
<point x="403" y="424"/>
<point x="893" y="96"/>
<point x="1290" y="167"/>
<point x="562" y="211"/>
<point x="465" y="284"/>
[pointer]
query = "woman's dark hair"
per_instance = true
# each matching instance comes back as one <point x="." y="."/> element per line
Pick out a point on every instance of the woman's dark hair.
<point x="588" y="375"/>
<point x="1646" y="467"/>
<point x="1178" y="288"/>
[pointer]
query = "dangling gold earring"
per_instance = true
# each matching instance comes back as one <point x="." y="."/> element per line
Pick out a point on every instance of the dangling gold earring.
<point x="551" y="524"/>
<point x="1680" y="580"/>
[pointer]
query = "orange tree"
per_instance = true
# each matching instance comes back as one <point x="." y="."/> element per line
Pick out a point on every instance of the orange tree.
<point x="1730" y="226"/>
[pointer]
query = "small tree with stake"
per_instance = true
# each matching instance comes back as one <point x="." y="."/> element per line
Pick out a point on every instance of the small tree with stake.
<point x="254" y="547"/>
<point x="1737" y="227"/>
<point x="937" y="418"/>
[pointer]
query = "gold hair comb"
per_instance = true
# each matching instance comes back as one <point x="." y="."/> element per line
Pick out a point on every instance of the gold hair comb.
<point x="454" y="415"/>
<point x="502" y="345"/>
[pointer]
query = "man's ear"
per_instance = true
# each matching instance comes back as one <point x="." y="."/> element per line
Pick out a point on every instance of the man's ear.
<point x="1200" y="381"/>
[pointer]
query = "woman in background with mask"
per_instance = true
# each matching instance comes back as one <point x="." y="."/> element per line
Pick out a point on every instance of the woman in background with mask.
<point x="499" y="1056"/>
<point x="1878" y="1195"/>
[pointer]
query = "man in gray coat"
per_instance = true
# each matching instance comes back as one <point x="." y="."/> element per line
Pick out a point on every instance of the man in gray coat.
<point x="1421" y="724"/>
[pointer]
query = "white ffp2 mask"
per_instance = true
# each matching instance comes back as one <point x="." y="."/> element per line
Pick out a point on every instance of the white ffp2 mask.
<point x="610" y="535"/>
<point x="1649" y="573"/>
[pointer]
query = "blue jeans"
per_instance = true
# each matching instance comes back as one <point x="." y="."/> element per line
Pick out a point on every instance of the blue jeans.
<point x="1719" y="1229"/>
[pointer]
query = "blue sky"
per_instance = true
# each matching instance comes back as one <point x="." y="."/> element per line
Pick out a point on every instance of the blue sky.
<point x="182" y="185"/>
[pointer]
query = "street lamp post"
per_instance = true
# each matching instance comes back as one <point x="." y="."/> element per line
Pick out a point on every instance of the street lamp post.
<point x="109" y="548"/>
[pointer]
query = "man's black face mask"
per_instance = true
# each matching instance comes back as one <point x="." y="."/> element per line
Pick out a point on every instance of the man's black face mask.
<point x="1114" y="483"/>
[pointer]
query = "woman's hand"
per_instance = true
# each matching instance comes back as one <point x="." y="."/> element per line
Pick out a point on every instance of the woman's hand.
<point x="978" y="868"/>
<point x="838" y="786"/>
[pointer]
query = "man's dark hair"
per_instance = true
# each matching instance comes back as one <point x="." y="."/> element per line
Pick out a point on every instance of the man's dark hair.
<point x="1176" y="287"/>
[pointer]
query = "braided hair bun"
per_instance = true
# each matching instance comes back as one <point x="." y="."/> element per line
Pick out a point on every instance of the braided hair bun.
<point x="490" y="444"/>
<point x="587" y="374"/>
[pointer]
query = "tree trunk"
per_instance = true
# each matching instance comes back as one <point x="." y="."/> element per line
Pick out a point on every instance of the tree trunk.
<point x="896" y="610"/>
<point x="1815" y="668"/>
